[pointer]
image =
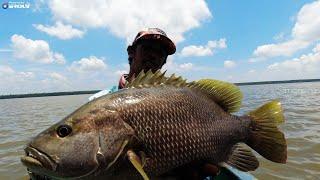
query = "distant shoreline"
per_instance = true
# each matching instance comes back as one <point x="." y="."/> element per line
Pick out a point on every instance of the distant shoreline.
<point x="95" y="91"/>
<point x="277" y="82"/>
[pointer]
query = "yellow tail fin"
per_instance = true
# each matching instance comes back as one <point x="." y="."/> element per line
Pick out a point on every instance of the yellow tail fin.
<point x="265" y="137"/>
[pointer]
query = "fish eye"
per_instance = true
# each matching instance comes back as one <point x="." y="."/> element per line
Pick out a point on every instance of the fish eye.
<point x="64" y="130"/>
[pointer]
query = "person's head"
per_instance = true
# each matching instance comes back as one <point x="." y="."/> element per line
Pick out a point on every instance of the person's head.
<point x="149" y="50"/>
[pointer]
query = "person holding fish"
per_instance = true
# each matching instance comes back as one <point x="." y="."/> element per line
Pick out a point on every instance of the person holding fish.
<point x="149" y="51"/>
<point x="158" y="127"/>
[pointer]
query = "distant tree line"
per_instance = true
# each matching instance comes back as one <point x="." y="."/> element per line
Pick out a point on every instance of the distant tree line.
<point x="277" y="82"/>
<point x="95" y="91"/>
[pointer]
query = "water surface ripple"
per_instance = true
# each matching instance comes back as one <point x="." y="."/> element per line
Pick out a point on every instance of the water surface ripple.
<point x="21" y="119"/>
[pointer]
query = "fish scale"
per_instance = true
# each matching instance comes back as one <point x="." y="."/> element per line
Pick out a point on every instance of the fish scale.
<point x="178" y="126"/>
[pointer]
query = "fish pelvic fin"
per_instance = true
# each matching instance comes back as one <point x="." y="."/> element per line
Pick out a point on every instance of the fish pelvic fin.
<point x="137" y="163"/>
<point x="265" y="137"/>
<point x="242" y="158"/>
<point x="227" y="95"/>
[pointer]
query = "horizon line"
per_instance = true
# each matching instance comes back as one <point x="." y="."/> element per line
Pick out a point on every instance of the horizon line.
<point x="65" y="93"/>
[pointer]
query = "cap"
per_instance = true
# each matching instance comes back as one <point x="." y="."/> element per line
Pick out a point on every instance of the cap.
<point x="156" y="34"/>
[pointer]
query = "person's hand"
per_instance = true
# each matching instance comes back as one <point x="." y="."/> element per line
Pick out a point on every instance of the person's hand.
<point x="209" y="170"/>
<point x="195" y="171"/>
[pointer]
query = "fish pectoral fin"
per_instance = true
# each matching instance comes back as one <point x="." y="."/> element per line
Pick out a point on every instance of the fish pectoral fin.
<point x="138" y="163"/>
<point x="242" y="158"/>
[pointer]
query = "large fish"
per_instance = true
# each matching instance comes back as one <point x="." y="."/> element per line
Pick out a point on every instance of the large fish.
<point x="155" y="125"/>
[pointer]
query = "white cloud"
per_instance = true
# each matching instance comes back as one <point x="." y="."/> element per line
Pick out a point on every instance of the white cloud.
<point x="186" y="66"/>
<point x="196" y="51"/>
<point x="229" y="64"/>
<point x="34" y="50"/>
<point x="120" y="69"/>
<point x="305" y="66"/>
<point x="37" y="80"/>
<point x="316" y="48"/>
<point x="59" y="58"/>
<point x="173" y="67"/>
<point x="89" y="64"/>
<point x="21" y="82"/>
<point x="60" y="30"/>
<point x="58" y="77"/>
<point x="6" y="70"/>
<point x="308" y="23"/>
<point x="25" y="75"/>
<point x="55" y="82"/>
<point x="305" y="32"/>
<point x="121" y="72"/>
<point x="206" y="50"/>
<point x="255" y="59"/>
<point x="124" y="18"/>
<point x="281" y="49"/>
<point x="9" y="75"/>
<point x="217" y="44"/>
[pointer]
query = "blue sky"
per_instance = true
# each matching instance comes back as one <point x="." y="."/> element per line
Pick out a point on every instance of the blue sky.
<point x="72" y="45"/>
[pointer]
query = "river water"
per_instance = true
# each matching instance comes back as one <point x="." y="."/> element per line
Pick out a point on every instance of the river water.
<point x="21" y="119"/>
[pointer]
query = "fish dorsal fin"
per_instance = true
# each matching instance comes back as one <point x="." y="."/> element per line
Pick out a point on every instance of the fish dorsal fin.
<point x="227" y="95"/>
<point x="242" y="158"/>
<point x="150" y="79"/>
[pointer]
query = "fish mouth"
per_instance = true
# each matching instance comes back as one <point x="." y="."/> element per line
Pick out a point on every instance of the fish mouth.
<point x="40" y="166"/>
<point x="36" y="160"/>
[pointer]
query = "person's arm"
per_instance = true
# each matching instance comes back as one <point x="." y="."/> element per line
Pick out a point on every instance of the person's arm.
<point x="103" y="92"/>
